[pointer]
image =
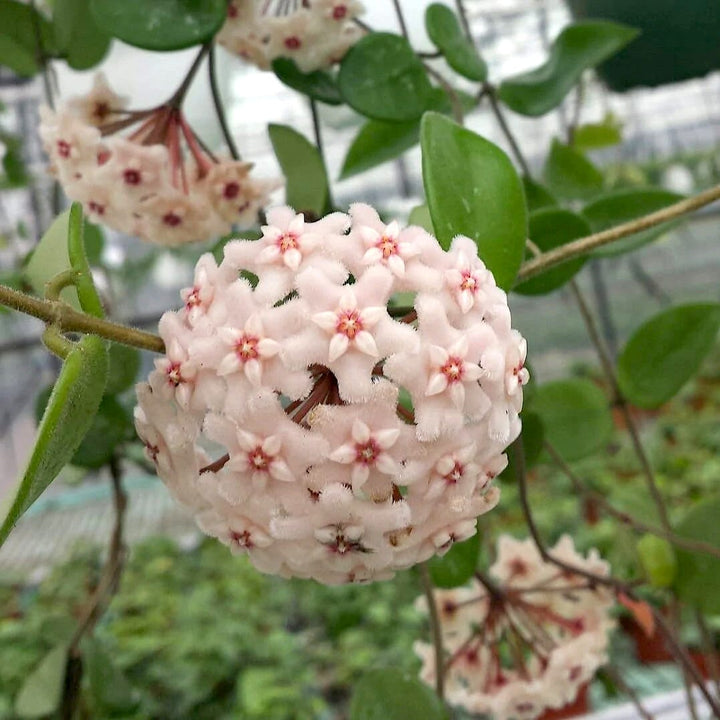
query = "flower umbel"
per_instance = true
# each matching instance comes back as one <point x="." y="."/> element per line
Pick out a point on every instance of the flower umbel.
<point x="315" y="427"/>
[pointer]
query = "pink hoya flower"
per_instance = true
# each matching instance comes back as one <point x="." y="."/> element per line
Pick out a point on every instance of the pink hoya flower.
<point x="159" y="182"/>
<point x="314" y="424"/>
<point x="313" y="33"/>
<point x="525" y="637"/>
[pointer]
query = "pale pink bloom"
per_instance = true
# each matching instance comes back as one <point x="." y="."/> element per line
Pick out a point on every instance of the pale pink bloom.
<point x="100" y="105"/>
<point x="467" y="277"/>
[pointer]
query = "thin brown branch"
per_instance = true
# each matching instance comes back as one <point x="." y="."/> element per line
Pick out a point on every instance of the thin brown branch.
<point x="435" y="629"/>
<point x="491" y="93"/>
<point x="219" y="108"/>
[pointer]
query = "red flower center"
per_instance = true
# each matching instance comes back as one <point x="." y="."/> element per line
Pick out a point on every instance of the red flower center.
<point x="63" y="148"/>
<point x="367" y="453"/>
<point x="171" y="219"/>
<point x="293" y="42"/>
<point x="246" y="348"/>
<point x="453" y="369"/>
<point x="339" y="12"/>
<point x="132" y="177"/>
<point x="349" y="323"/>
<point x="231" y="190"/>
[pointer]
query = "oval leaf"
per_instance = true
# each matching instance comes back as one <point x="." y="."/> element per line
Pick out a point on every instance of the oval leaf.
<point x="319" y="85"/>
<point x="551" y="228"/>
<point x="622" y="206"/>
<point x="536" y="195"/>
<point x="472" y="189"/>
<point x="569" y="174"/>
<point x="575" y="415"/>
<point x="80" y="41"/>
<point x="665" y="352"/>
<point x="420" y="216"/>
<point x="160" y="24"/>
<point x="42" y="690"/>
<point x="123" y="369"/>
<point x="457" y="565"/>
<point x="18" y="43"/>
<point x="111" y="425"/>
<point x="658" y="560"/>
<point x="698" y="574"/>
<point x="578" y="47"/>
<point x="306" y="187"/>
<point x="68" y="416"/>
<point x="382" y="78"/>
<point x="444" y="30"/>
<point x="390" y="694"/>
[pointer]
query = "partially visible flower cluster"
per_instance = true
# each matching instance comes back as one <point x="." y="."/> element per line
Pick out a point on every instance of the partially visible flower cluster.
<point x="309" y="422"/>
<point x="525" y="639"/>
<point x="313" y="33"/>
<point x="145" y="184"/>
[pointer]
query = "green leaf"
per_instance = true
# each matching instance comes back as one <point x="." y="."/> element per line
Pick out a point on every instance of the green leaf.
<point x="536" y="195"/>
<point x="593" y="136"/>
<point x="319" y="85"/>
<point x="578" y="47"/>
<point x="551" y="228"/>
<point x="18" y="37"/>
<point x="377" y="142"/>
<point x="666" y="351"/>
<point x="69" y="414"/>
<point x="575" y="415"/>
<point x="87" y="294"/>
<point x="472" y="189"/>
<point x="111" y="425"/>
<point x="533" y="437"/>
<point x="458" y="564"/>
<point x="569" y="174"/>
<point x="420" y="215"/>
<point x="13" y="164"/>
<point x="94" y="243"/>
<point x="42" y="690"/>
<point x="51" y="257"/>
<point x="79" y="39"/>
<point x="110" y="688"/>
<point x="124" y="367"/>
<point x="622" y="206"/>
<point x="698" y="574"/>
<point x="444" y="30"/>
<point x="390" y="694"/>
<point x="382" y="78"/>
<point x="160" y="24"/>
<point x="306" y="179"/>
<point x="658" y="560"/>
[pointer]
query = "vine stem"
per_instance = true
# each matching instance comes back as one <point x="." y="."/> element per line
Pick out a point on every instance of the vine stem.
<point x="491" y="93"/>
<point x="219" y="109"/>
<point x="464" y="19"/>
<point x="435" y="629"/>
<point x="401" y="19"/>
<point x="179" y="95"/>
<point x="67" y="319"/>
<point x="582" y="246"/>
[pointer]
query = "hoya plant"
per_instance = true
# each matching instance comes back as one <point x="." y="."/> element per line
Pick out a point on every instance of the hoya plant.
<point x="341" y="395"/>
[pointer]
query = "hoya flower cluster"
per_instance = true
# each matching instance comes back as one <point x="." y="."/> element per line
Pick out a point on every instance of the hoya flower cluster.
<point x="159" y="183"/>
<point x="313" y="33"/>
<point x="525" y="639"/>
<point x="311" y="422"/>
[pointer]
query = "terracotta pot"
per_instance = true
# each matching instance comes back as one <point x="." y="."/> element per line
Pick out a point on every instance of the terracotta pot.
<point x="579" y="706"/>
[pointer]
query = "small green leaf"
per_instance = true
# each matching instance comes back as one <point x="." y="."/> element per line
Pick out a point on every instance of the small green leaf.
<point x="87" y="294"/>
<point x="80" y="41"/>
<point x="111" y="425"/>
<point x="698" y="574"/>
<point x="390" y="694"/>
<point x="124" y="368"/>
<point x="18" y="37"/>
<point x="160" y="24"/>
<point x="457" y="565"/>
<point x="319" y="85"/>
<point x="666" y="351"/>
<point x="569" y="174"/>
<point x="382" y="78"/>
<point x="578" y="47"/>
<point x="575" y="415"/>
<point x="69" y="414"/>
<point x="444" y="30"/>
<point x="593" y="136"/>
<point x="42" y="690"/>
<point x="377" y="142"/>
<point x="420" y="215"/>
<point x="536" y="195"/>
<point x="472" y="189"/>
<point x="306" y="179"/>
<point x="551" y="228"/>
<point x="622" y="206"/>
<point x="110" y="688"/>
<point x="658" y="560"/>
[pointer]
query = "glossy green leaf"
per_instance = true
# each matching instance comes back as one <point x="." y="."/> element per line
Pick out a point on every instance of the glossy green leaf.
<point x="319" y="85"/>
<point x="551" y="228"/>
<point x="533" y="437"/>
<point x="570" y="175"/>
<point x="51" y="257"/>
<point x="445" y="32"/>
<point x="377" y="142"/>
<point x="698" y="574"/>
<point x="111" y="425"/>
<point x="472" y="189"/>
<point x="68" y="416"/>
<point x="576" y="416"/>
<point x="382" y="78"/>
<point x="457" y="565"/>
<point x="579" y="47"/>
<point x="536" y="195"/>
<point x="41" y="692"/>
<point x="110" y="689"/>
<point x="622" y="206"/>
<point x="18" y="37"/>
<point x="87" y="294"/>
<point x="94" y="242"/>
<point x="658" y="560"/>
<point x="305" y="176"/>
<point x="420" y="215"/>
<point x="390" y="694"/>
<point x="160" y="24"/>
<point x="124" y="368"/>
<point x="79" y="39"/>
<point x="666" y="351"/>
<point x="592" y="136"/>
